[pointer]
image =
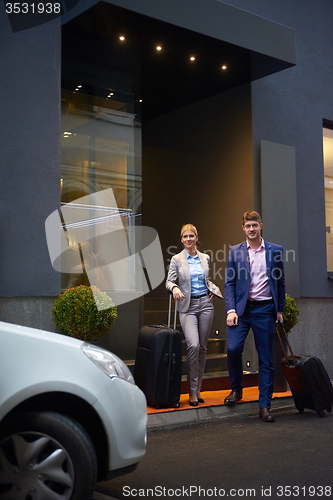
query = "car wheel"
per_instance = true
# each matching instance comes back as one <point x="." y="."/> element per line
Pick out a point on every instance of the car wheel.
<point x="48" y="456"/>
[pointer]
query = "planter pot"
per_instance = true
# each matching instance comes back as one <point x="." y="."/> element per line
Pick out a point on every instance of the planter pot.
<point x="280" y="381"/>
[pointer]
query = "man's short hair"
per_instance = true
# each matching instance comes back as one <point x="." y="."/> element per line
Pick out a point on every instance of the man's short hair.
<point x="251" y="215"/>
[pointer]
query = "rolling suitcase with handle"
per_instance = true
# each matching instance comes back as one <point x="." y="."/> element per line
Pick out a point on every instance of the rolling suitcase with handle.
<point x="308" y="380"/>
<point x="158" y="363"/>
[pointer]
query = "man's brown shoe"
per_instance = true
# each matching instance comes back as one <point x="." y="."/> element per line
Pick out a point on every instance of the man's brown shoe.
<point x="265" y="414"/>
<point x="233" y="398"/>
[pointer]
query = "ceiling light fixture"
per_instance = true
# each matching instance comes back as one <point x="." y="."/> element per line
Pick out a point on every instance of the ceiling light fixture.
<point x="192" y="58"/>
<point x="122" y="38"/>
<point x="224" y="67"/>
<point x="158" y="47"/>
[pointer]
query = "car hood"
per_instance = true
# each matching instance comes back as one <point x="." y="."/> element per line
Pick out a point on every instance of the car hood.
<point x="34" y="361"/>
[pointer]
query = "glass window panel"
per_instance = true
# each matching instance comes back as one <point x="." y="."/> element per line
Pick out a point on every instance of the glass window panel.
<point x="328" y="173"/>
<point x="100" y="141"/>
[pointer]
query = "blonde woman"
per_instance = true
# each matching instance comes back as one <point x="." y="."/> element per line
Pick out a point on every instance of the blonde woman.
<point x="194" y="294"/>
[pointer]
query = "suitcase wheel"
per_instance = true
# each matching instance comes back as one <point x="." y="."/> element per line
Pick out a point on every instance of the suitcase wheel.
<point x="329" y="409"/>
<point x="321" y="413"/>
<point x="299" y="408"/>
<point x="177" y="405"/>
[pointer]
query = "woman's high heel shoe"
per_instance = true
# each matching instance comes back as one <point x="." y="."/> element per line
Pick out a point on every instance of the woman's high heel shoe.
<point x="193" y="403"/>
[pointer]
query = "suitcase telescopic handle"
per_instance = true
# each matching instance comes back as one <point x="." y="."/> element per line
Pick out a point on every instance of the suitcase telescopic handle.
<point x="169" y="316"/>
<point x="288" y="343"/>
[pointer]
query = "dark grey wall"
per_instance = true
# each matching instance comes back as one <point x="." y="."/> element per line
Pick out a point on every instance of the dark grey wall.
<point x="279" y="204"/>
<point x="289" y="108"/>
<point x="29" y="145"/>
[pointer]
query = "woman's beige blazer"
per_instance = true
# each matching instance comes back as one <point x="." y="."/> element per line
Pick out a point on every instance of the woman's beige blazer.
<point x="179" y="270"/>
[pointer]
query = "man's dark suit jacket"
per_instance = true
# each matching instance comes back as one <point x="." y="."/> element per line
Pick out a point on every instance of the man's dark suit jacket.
<point x="238" y="277"/>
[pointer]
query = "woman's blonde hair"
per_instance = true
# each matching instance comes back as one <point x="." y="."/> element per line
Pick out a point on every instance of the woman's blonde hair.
<point x="188" y="227"/>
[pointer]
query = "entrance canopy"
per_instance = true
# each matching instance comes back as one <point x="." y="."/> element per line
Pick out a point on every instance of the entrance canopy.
<point x="184" y="51"/>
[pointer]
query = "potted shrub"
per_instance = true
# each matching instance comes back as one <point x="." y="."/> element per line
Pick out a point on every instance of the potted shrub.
<point x="75" y="313"/>
<point x="291" y="313"/>
<point x="290" y="318"/>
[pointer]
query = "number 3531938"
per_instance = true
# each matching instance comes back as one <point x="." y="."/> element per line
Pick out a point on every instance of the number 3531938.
<point x="304" y="491"/>
<point x="33" y="8"/>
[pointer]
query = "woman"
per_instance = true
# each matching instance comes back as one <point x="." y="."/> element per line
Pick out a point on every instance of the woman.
<point x="194" y="293"/>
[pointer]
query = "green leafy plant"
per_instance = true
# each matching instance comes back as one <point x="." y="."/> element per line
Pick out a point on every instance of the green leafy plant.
<point x="291" y="313"/>
<point x="75" y="312"/>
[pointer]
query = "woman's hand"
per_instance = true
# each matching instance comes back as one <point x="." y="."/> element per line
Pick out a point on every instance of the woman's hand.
<point x="211" y="296"/>
<point x="177" y="294"/>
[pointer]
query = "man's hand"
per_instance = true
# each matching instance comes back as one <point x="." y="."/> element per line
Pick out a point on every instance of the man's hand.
<point x="279" y="317"/>
<point x="232" y="319"/>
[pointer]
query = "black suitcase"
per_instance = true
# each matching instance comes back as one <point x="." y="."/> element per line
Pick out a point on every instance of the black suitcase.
<point x="158" y="364"/>
<point x="308" y="381"/>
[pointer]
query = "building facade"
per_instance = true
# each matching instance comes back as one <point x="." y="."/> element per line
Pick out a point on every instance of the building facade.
<point x="190" y="112"/>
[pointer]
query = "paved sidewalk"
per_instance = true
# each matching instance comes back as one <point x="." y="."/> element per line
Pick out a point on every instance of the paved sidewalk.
<point x="213" y="409"/>
<point x="99" y="496"/>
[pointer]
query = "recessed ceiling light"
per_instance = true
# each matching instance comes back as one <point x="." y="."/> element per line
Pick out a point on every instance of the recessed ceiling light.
<point x="79" y="86"/>
<point x="192" y="58"/>
<point x="122" y="38"/>
<point x="158" y="47"/>
<point x="224" y="67"/>
<point x="140" y="100"/>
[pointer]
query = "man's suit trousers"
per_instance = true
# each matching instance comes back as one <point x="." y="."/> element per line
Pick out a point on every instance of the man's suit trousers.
<point x="261" y="318"/>
<point x="196" y="323"/>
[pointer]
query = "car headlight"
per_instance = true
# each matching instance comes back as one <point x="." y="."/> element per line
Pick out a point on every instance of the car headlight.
<point x="108" y="362"/>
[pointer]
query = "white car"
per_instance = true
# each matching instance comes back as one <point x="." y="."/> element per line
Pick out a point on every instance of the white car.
<point x="70" y="415"/>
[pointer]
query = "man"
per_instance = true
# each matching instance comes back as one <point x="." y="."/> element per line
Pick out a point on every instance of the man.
<point x="255" y="298"/>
